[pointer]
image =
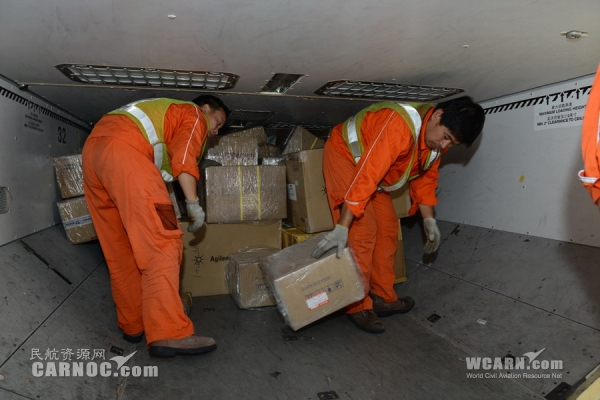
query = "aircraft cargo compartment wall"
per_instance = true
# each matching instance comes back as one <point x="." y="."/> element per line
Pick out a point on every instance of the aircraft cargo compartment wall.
<point x="521" y="174"/>
<point x="33" y="132"/>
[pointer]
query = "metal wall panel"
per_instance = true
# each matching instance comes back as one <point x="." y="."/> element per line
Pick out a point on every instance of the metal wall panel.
<point x="521" y="174"/>
<point x="32" y="133"/>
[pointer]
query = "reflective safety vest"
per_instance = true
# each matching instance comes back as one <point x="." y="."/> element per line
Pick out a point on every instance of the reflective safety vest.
<point x="412" y="114"/>
<point x="149" y="116"/>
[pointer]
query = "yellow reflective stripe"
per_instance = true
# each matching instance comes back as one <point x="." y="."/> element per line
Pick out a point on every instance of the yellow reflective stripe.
<point x="433" y="155"/>
<point x="241" y="193"/>
<point x="152" y="137"/>
<point x="258" y="185"/>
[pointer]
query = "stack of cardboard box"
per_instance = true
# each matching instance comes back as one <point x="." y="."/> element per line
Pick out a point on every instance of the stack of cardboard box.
<point x="244" y="202"/>
<point x="73" y="210"/>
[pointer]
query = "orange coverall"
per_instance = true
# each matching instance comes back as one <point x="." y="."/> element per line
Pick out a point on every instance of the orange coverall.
<point x="373" y="234"/>
<point x="135" y="219"/>
<point x="590" y="142"/>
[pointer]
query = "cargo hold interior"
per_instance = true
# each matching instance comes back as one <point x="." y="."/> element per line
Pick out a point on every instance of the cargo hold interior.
<point x="514" y="282"/>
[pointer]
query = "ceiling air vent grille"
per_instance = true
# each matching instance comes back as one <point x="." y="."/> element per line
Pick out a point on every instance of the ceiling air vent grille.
<point x="150" y="77"/>
<point x="385" y="91"/>
<point x="4" y="200"/>
<point x="243" y="118"/>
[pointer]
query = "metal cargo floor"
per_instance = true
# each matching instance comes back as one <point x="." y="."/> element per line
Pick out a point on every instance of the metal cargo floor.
<point x="487" y="294"/>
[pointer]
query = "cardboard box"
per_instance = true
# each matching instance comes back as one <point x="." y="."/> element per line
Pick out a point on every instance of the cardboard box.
<point x="229" y="150"/>
<point x="206" y="252"/>
<point x="399" y="261"/>
<point x="258" y="133"/>
<point x="292" y="236"/>
<point x="307" y="289"/>
<point x="245" y="193"/>
<point x="69" y="176"/>
<point x="308" y="209"/>
<point x="245" y="279"/>
<point x="401" y="201"/>
<point x="301" y="139"/>
<point x="76" y="220"/>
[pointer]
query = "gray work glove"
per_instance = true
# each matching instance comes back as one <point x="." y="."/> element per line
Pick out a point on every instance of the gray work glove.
<point x="338" y="237"/>
<point x="432" y="234"/>
<point x="196" y="214"/>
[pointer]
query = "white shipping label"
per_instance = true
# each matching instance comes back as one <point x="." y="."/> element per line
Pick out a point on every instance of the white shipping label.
<point x="291" y="189"/>
<point x="79" y="221"/>
<point x="317" y="300"/>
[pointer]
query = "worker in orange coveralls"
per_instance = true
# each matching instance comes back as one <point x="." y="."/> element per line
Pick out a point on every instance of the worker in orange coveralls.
<point x="126" y="159"/>
<point x="376" y="151"/>
<point x="590" y="142"/>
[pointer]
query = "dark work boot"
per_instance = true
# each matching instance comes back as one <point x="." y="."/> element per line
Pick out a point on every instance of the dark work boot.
<point x="400" y="306"/>
<point x="134" y="338"/>
<point x="367" y="321"/>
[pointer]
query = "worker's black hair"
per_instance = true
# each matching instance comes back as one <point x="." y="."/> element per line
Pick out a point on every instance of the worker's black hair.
<point x="213" y="102"/>
<point x="463" y="117"/>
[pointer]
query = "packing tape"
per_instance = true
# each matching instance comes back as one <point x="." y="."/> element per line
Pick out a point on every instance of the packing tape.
<point x="313" y="143"/>
<point x="258" y="192"/>
<point x="241" y="193"/>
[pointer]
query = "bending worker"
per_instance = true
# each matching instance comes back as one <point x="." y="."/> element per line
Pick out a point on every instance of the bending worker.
<point x="590" y="142"/>
<point x="376" y="151"/>
<point x="126" y="159"/>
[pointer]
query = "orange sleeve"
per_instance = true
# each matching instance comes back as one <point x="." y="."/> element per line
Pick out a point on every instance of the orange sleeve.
<point x="386" y="138"/>
<point x="590" y="138"/>
<point x="422" y="189"/>
<point x="186" y="131"/>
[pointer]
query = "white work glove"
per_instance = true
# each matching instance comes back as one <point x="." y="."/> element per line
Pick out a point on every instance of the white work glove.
<point x="338" y="237"/>
<point x="196" y="214"/>
<point x="432" y="234"/>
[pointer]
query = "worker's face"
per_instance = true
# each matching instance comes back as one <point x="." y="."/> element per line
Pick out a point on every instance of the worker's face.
<point x="216" y="118"/>
<point x="437" y="136"/>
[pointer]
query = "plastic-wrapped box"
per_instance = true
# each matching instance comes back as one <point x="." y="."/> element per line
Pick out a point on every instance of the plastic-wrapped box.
<point x="274" y="160"/>
<point x="301" y="139"/>
<point x="246" y="280"/>
<point x="229" y="150"/>
<point x="69" y="175"/>
<point x="308" y="289"/>
<point x="258" y="132"/>
<point x="76" y="220"/>
<point x="245" y="193"/>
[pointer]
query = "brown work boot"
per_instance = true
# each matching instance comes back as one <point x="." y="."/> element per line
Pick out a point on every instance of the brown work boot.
<point x="367" y="321"/>
<point x="400" y="306"/>
<point x="185" y="346"/>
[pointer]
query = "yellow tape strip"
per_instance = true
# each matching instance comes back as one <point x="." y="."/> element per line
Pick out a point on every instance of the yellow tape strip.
<point x="241" y="193"/>
<point x="313" y="143"/>
<point x="258" y="184"/>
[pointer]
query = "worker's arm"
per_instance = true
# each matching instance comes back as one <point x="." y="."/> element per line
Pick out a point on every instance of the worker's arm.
<point x="338" y="237"/>
<point x="192" y="203"/>
<point x="346" y="217"/>
<point x="188" y="186"/>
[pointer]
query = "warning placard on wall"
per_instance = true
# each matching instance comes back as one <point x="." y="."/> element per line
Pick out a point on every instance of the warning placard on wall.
<point x="559" y="113"/>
